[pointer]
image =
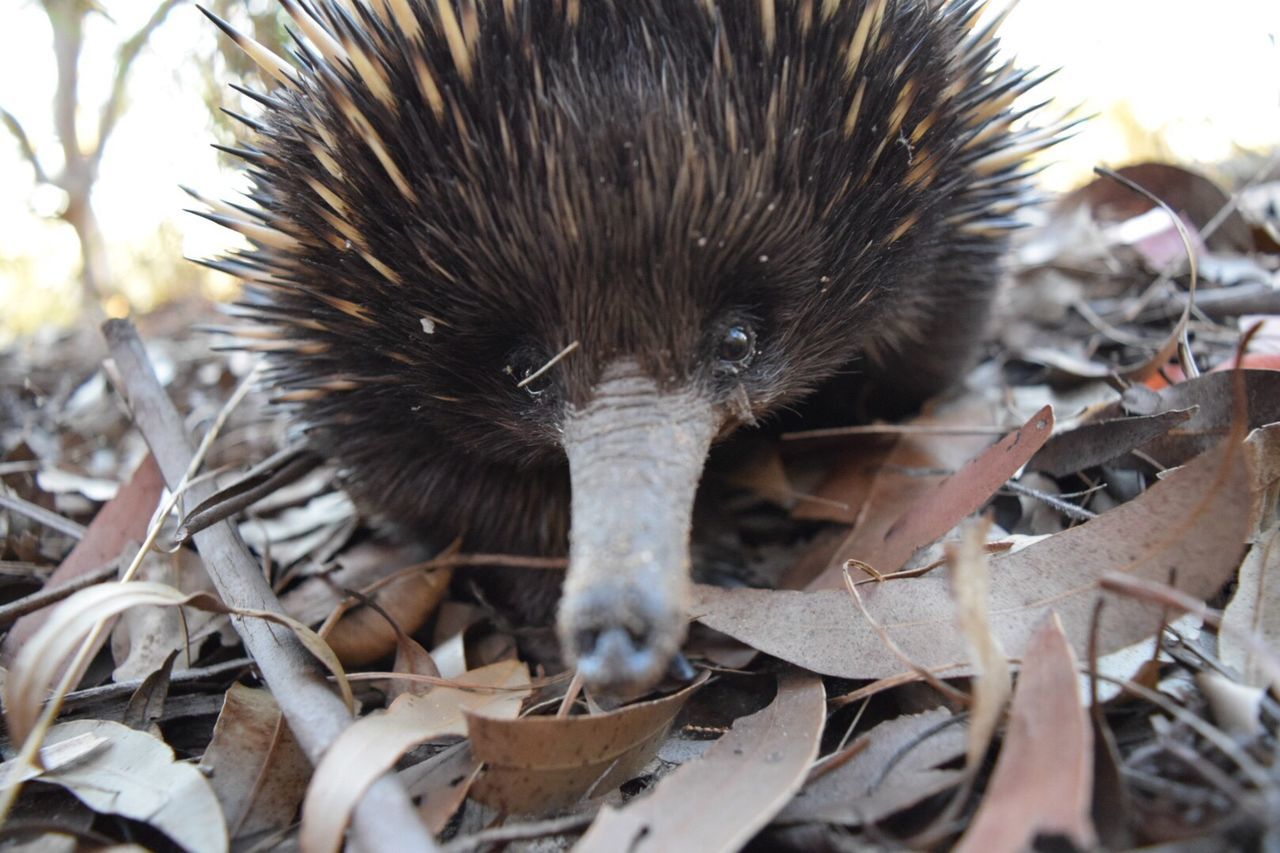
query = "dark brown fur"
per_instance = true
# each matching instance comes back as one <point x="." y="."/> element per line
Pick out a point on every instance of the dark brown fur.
<point x="634" y="176"/>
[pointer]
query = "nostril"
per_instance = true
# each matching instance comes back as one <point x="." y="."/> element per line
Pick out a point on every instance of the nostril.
<point x="586" y="640"/>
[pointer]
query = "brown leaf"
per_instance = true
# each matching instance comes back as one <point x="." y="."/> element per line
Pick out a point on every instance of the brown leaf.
<point x="256" y="768"/>
<point x="1043" y="778"/>
<point x="896" y="769"/>
<point x="538" y="764"/>
<point x="939" y="509"/>
<point x="719" y="801"/>
<point x="362" y="636"/>
<point x="1195" y="522"/>
<point x="441" y="783"/>
<point x="122" y="519"/>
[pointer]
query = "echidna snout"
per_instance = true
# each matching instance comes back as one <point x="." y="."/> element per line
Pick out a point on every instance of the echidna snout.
<point x="635" y="454"/>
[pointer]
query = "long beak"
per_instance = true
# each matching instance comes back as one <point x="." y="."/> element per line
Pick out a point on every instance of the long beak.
<point x="635" y="456"/>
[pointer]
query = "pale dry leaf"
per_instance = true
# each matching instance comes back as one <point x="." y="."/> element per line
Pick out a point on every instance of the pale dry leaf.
<point x="537" y="764"/>
<point x="718" y="801"/>
<point x="1236" y="708"/>
<point x="1254" y="609"/>
<point x="40" y="661"/>
<point x="1043" y="779"/>
<point x="898" y="768"/>
<point x="1194" y="522"/>
<point x="372" y="745"/>
<point x="992" y="679"/>
<point x="144" y="637"/>
<point x="441" y="783"/>
<point x="256" y="768"/>
<point x="134" y="775"/>
<point x="52" y="757"/>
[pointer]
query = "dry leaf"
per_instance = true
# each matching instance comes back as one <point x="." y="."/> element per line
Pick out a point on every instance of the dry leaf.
<point x="992" y="680"/>
<point x="256" y="768"/>
<point x="1254" y="609"/>
<point x="362" y="636"/>
<point x="442" y="782"/>
<point x="372" y="745"/>
<point x="720" y="800"/>
<point x="1101" y="441"/>
<point x="134" y="775"/>
<point x="1043" y="778"/>
<point x="539" y="764"/>
<point x="123" y="519"/>
<point x="144" y="637"/>
<point x="1194" y="522"/>
<point x="939" y="509"/>
<point x="1236" y="708"/>
<point x="895" y="770"/>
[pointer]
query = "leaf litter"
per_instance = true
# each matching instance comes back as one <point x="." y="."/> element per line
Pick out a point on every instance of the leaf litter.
<point x="941" y="702"/>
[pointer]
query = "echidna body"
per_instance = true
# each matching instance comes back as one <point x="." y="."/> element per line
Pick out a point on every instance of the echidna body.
<point x="696" y="213"/>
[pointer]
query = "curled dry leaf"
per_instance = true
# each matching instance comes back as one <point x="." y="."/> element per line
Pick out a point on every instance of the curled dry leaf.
<point x="1043" y="778"/>
<point x="40" y="662"/>
<point x="721" y="799"/>
<point x="1194" y="522"/>
<point x="539" y="764"/>
<point x="895" y="768"/>
<point x="362" y="636"/>
<point x="941" y="508"/>
<point x="373" y="744"/>
<point x="257" y="770"/>
<point x="134" y="775"/>
<point x="144" y="637"/>
<point x="123" y="519"/>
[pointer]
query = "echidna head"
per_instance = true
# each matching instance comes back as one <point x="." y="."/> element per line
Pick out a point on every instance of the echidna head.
<point x="507" y="235"/>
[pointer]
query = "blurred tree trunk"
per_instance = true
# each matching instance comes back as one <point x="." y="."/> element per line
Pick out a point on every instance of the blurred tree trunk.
<point x="80" y="157"/>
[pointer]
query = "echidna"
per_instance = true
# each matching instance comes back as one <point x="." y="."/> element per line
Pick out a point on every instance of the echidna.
<point x="519" y="264"/>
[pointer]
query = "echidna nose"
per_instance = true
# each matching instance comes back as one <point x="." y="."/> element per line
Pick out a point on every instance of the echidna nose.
<point x="616" y="638"/>
<point x="614" y="654"/>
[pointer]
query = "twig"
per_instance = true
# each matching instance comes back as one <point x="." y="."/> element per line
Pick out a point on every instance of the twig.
<point x="520" y="832"/>
<point x="127" y="688"/>
<point x="385" y="819"/>
<point x="43" y="598"/>
<point x="1067" y="508"/>
<point x="35" y="512"/>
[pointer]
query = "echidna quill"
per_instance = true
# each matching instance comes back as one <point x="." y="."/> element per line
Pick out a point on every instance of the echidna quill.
<point x="519" y="264"/>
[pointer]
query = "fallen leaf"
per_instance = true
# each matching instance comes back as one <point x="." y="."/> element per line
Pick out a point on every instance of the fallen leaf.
<point x="1194" y="522"/>
<point x="362" y="636"/>
<point x="896" y="768"/>
<point x="256" y="768"/>
<point x="1043" y="778"/>
<point x="720" y="800"/>
<point x="1237" y="708"/>
<point x="538" y="764"/>
<point x="52" y="757"/>
<point x="442" y="783"/>
<point x="1101" y="441"/>
<point x="372" y="745"/>
<point x="134" y="775"/>
<point x="936" y="511"/>
<point x="144" y="637"/>
<point x="1254" y="609"/>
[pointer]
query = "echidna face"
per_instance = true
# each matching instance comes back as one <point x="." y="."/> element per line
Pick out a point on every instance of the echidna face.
<point x="496" y="236"/>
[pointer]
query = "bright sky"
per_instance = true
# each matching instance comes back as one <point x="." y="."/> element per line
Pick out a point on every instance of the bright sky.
<point x="1199" y="77"/>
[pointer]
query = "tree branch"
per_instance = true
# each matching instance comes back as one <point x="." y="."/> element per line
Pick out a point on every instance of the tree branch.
<point x="125" y="57"/>
<point x="24" y="145"/>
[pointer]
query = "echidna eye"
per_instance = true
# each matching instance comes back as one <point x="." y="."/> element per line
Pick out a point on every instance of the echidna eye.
<point x="521" y="367"/>
<point x="536" y="386"/>
<point x="736" y="346"/>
